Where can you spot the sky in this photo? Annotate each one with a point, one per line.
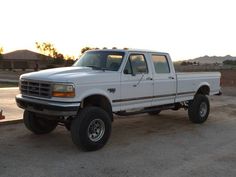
(184, 28)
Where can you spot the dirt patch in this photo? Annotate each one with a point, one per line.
(228, 78)
(229, 91)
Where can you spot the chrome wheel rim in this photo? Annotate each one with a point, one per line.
(203, 109)
(96, 130)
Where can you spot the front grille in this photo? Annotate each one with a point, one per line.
(35, 88)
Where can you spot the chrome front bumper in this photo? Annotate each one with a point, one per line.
(47, 107)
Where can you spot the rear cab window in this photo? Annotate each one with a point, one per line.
(160, 63)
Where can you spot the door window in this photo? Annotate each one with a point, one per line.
(161, 64)
(136, 64)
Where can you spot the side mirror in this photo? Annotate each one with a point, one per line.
(126, 71)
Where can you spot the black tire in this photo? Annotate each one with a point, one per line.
(154, 113)
(38, 125)
(67, 126)
(199, 109)
(84, 124)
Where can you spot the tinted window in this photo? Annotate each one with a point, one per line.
(137, 64)
(161, 64)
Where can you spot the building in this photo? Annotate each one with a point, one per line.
(24, 59)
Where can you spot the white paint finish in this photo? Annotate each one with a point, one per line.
(164, 84)
(182, 98)
(188, 82)
(136, 104)
(138, 88)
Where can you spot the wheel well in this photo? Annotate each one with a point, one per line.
(99, 101)
(204, 90)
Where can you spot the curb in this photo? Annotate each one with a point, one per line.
(9, 80)
(10, 122)
(9, 88)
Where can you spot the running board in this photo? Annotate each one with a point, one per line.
(146, 110)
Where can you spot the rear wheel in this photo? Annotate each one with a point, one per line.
(38, 125)
(91, 129)
(199, 108)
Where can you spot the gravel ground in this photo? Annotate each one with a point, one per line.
(166, 145)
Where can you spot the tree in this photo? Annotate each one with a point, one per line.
(69, 57)
(58, 58)
(49, 50)
(1, 51)
(229, 62)
(84, 49)
(184, 63)
(69, 62)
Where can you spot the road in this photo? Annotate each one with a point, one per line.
(168, 145)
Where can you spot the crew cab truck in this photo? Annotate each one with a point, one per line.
(85, 96)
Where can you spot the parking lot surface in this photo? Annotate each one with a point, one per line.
(140, 146)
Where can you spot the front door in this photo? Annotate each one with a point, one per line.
(136, 83)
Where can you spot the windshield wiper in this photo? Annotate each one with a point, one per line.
(96, 67)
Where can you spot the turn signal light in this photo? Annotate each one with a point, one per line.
(63, 94)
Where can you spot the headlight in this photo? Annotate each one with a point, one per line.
(63, 90)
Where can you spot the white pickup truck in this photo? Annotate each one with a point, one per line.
(101, 83)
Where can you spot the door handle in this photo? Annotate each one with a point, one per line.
(171, 77)
(149, 78)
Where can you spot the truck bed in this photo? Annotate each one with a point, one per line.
(189, 82)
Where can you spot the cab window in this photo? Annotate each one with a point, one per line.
(161, 64)
(136, 64)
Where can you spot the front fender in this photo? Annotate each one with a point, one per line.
(92, 92)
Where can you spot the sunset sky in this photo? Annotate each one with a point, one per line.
(184, 28)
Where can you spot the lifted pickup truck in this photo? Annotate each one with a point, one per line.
(101, 83)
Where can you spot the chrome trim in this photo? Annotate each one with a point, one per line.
(41, 89)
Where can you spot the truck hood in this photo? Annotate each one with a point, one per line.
(66, 74)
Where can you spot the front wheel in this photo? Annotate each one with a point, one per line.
(91, 129)
(38, 125)
(199, 109)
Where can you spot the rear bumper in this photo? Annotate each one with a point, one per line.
(53, 108)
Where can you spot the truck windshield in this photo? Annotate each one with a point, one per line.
(101, 60)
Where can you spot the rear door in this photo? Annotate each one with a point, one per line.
(164, 80)
(136, 82)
